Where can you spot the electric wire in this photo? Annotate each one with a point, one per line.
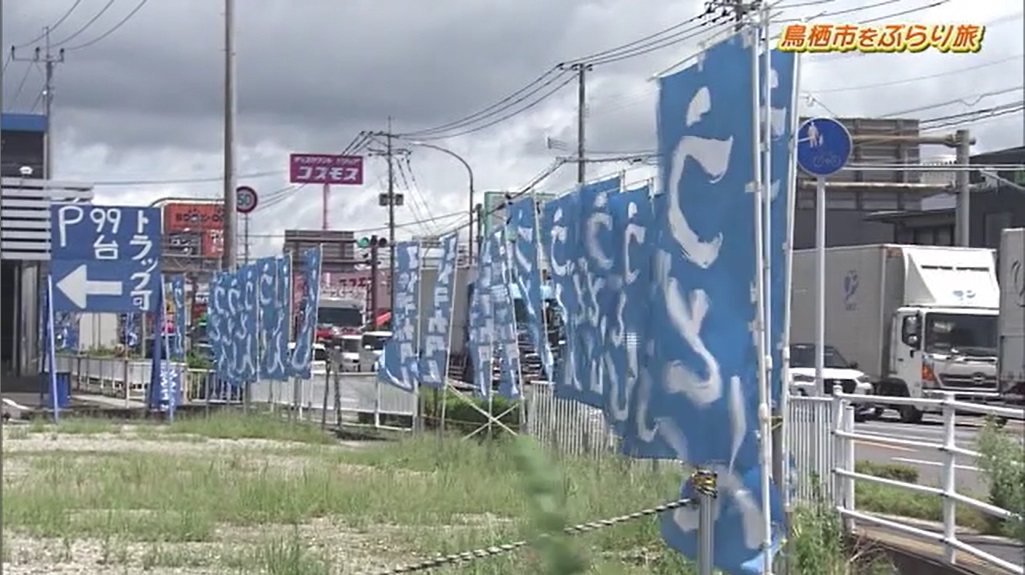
(21, 85)
(49, 29)
(173, 181)
(500, 119)
(964, 101)
(85, 26)
(413, 205)
(516, 97)
(1005, 19)
(914, 79)
(382, 228)
(630, 45)
(113, 29)
(416, 186)
(686, 35)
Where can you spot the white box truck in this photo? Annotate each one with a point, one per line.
(1012, 316)
(917, 319)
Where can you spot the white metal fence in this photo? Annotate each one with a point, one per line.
(567, 427)
(821, 441)
(129, 380)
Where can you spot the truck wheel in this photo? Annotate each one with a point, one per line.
(909, 414)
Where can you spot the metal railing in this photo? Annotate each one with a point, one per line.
(129, 379)
(844, 476)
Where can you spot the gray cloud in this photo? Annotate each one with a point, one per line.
(146, 103)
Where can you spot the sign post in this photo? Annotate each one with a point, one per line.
(106, 259)
(246, 201)
(823, 147)
(326, 170)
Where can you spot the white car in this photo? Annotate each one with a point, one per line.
(837, 372)
(350, 349)
(318, 365)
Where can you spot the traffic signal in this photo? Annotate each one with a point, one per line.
(371, 241)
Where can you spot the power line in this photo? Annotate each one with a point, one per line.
(169, 182)
(85, 26)
(683, 36)
(52, 27)
(527, 91)
(974, 101)
(914, 79)
(834, 57)
(21, 85)
(416, 190)
(632, 45)
(503, 118)
(113, 29)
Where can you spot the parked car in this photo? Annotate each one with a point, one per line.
(837, 371)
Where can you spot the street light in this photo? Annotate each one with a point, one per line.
(469, 172)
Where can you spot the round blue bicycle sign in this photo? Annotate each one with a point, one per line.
(245, 199)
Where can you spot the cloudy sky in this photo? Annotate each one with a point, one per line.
(139, 111)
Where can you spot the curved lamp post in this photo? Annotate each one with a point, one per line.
(469, 172)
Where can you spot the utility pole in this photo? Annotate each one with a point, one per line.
(49, 60)
(391, 206)
(230, 256)
(581, 70)
(963, 211)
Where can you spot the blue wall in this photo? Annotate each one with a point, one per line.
(23, 123)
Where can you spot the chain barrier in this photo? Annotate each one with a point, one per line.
(571, 530)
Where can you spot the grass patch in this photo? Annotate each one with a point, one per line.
(226, 424)
(418, 498)
(218, 425)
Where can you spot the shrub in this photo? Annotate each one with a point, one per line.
(464, 415)
(1002, 460)
(894, 471)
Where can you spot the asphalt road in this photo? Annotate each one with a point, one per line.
(929, 462)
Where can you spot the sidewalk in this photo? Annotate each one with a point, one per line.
(1005, 549)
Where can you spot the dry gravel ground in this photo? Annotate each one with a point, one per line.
(234, 494)
(270, 548)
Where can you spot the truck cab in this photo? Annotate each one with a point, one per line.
(920, 321)
(337, 317)
(945, 341)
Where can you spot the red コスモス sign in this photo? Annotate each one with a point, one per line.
(325, 169)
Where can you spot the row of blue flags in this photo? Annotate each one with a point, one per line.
(249, 319)
(417, 353)
(658, 292)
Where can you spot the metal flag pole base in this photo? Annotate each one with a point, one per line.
(706, 488)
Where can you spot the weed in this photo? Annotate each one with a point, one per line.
(1002, 460)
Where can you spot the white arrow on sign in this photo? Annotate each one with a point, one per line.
(78, 287)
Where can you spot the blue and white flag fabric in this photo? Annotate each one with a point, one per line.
(738, 527)
(624, 302)
(130, 329)
(526, 268)
(177, 340)
(248, 334)
(781, 100)
(234, 327)
(482, 323)
(704, 389)
(505, 318)
(437, 332)
(399, 361)
(559, 233)
(591, 277)
(274, 303)
(66, 325)
(217, 325)
(301, 360)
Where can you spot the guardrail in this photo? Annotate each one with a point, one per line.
(357, 392)
(831, 458)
